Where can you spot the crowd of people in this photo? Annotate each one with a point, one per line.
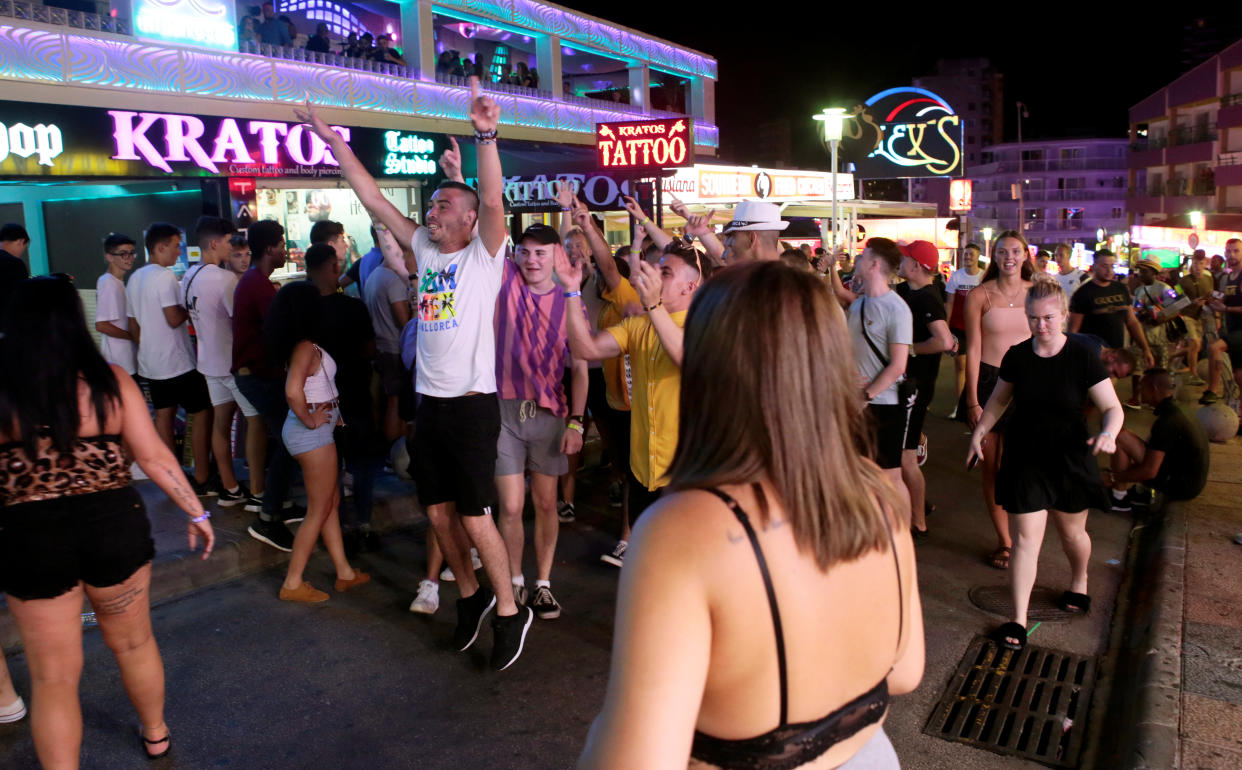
(261, 25)
(489, 358)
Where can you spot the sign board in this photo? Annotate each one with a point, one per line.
(1211, 241)
(901, 133)
(45, 140)
(1193, 240)
(730, 184)
(645, 145)
(203, 23)
(960, 194)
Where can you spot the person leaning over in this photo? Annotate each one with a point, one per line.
(1173, 460)
(779, 540)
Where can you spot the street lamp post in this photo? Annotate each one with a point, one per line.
(987, 239)
(833, 118)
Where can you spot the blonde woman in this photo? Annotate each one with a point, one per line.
(1049, 462)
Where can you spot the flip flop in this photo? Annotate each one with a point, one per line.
(1078, 604)
(1007, 631)
(999, 559)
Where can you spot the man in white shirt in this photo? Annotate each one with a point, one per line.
(960, 284)
(1070, 277)
(157, 321)
(111, 320)
(207, 292)
(458, 420)
(387, 296)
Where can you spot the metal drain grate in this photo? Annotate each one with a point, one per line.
(998, 601)
(1031, 704)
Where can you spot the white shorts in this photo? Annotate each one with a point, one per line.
(224, 390)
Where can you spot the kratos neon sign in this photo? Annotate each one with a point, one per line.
(162, 139)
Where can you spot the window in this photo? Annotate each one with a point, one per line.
(1118, 212)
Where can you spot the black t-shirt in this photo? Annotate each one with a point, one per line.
(347, 330)
(1104, 311)
(926, 306)
(1184, 471)
(355, 273)
(1231, 286)
(1049, 393)
(12, 272)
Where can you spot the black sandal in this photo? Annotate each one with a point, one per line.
(148, 742)
(1003, 634)
(999, 559)
(1077, 604)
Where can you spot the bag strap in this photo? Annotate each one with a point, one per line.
(191, 283)
(862, 316)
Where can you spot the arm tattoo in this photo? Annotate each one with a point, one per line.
(183, 497)
(119, 603)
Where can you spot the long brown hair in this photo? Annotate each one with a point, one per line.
(769, 392)
(994, 270)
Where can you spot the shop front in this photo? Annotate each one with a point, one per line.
(72, 175)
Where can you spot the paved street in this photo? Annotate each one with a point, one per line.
(361, 682)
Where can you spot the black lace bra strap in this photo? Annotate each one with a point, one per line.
(767, 585)
(901, 603)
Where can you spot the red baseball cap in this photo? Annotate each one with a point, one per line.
(923, 252)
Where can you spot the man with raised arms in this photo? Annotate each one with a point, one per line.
(457, 425)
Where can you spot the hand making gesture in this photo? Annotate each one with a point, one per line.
(698, 225)
(310, 117)
(484, 112)
(646, 280)
(632, 206)
(450, 162)
(565, 197)
(678, 207)
(569, 273)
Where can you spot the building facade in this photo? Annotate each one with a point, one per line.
(156, 114)
(1186, 148)
(1071, 189)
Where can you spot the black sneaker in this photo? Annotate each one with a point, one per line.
(617, 557)
(273, 533)
(292, 513)
(202, 488)
(509, 637)
(544, 604)
(1120, 504)
(565, 512)
(254, 504)
(228, 499)
(470, 614)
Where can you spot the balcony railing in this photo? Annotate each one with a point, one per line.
(1177, 188)
(1231, 100)
(1054, 164)
(1183, 135)
(62, 17)
(1092, 194)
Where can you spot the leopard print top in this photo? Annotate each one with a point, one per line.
(98, 463)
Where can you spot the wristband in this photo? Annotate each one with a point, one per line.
(653, 307)
(576, 418)
(569, 294)
(487, 136)
(645, 221)
(566, 208)
(201, 519)
(574, 426)
(1106, 433)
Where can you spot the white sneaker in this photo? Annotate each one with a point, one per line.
(14, 712)
(447, 575)
(428, 599)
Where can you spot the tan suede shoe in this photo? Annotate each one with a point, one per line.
(305, 593)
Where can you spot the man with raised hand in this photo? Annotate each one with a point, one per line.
(457, 425)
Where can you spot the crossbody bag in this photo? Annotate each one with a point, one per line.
(907, 388)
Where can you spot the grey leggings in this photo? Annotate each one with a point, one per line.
(875, 754)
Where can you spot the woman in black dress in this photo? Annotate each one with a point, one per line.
(1049, 460)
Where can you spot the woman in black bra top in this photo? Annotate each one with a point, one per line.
(70, 523)
(768, 607)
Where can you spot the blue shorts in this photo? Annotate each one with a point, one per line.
(300, 439)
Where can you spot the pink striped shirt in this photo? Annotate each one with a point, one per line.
(532, 344)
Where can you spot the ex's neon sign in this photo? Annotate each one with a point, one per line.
(645, 145)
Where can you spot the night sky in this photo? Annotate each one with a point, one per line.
(1077, 68)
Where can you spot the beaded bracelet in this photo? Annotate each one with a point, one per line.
(201, 519)
(485, 137)
(653, 307)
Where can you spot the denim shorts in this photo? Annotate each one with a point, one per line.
(300, 439)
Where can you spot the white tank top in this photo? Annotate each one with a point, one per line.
(320, 387)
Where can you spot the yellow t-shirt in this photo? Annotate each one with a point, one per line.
(654, 399)
(613, 311)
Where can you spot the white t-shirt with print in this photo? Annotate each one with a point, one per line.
(456, 310)
(960, 280)
(207, 291)
(110, 306)
(163, 352)
(1071, 281)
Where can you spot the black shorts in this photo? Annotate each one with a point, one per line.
(454, 452)
(597, 394)
(188, 391)
(889, 425)
(918, 414)
(641, 498)
(1233, 341)
(47, 547)
(988, 377)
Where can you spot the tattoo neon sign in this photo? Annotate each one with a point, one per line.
(207, 23)
(645, 145)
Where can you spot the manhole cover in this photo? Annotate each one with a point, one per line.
(1030, 704)
(996, 600)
